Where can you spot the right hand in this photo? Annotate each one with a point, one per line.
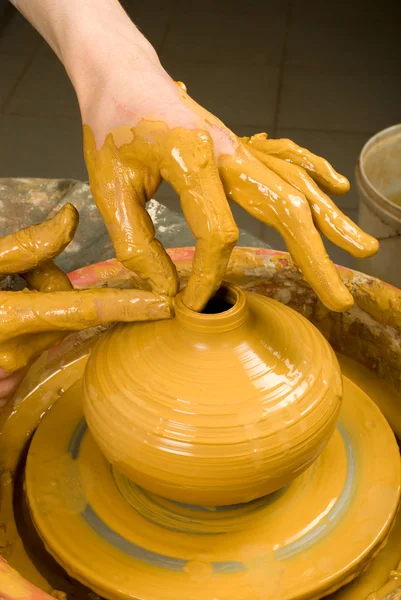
(141, 127)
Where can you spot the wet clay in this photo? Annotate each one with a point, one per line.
(32, 322)
(26, 249)
(23, 419)
(277, 154)
(273, 180)
(214, 409)
(304, 541)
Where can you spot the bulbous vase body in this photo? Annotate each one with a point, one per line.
(213, 409)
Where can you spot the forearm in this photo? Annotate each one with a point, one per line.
(86, 33)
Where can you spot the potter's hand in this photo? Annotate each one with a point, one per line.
(140, 127)
(159, 132)
(33, 321)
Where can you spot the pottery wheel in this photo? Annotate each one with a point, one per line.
(301, 542)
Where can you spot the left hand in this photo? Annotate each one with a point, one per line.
(33, 321)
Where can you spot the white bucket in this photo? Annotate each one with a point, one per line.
(378, 179)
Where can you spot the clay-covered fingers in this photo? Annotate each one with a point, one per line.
(306, 247)
(317, 167)
(24, 314)
(121, 185)
(336, 226)
(267, 197)
(48, 277)
(27, 248)
(193, 173)
(30, 248)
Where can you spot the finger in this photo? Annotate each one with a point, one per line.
(308, 251)
(317, 167)
(337, 227)
(121, 194)
(18, 353)
(25, 249)
(45, 278)
(8, 384)
(192, 172)
(23, 314)
(13, 585)
(48, 277)
(270, 199)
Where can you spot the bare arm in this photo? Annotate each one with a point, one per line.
(86, 33)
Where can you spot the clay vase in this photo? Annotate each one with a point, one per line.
(217, 408)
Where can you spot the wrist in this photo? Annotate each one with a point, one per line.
(96, 44)
(103, 54)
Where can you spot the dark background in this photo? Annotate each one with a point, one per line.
(324, 73)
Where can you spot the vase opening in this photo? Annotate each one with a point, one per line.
(225, 311)
(224, 299)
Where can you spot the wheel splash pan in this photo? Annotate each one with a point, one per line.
(370, 333)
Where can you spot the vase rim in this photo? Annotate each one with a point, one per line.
(226, 320)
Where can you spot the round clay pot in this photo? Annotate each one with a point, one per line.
(216, 408)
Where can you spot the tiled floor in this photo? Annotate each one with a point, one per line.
(326, 73)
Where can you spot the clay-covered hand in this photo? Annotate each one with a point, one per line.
(140, 131)
(38, 318)
(14, 587)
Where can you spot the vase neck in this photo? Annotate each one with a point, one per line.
(226, 311)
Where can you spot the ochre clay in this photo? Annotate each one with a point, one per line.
(319, 169)
(24, 314)
(47, 277)
(273, 180)
(56, 309)
(380, 301)
(354, 240)
(214, 409)
(24, 250)
(303, 542)
(24, 418)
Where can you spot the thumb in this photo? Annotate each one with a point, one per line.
(25, 249)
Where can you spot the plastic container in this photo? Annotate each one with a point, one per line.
(378, 178)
